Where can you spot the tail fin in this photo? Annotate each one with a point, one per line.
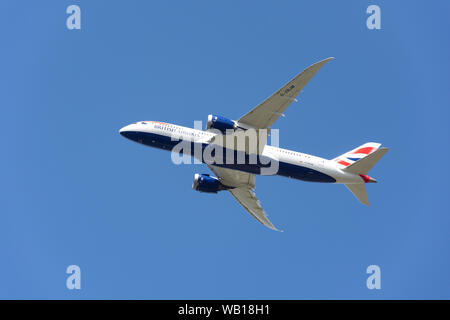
(363, 166)
(360, 161)
(356, 154)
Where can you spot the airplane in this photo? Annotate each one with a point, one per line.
(350, 168)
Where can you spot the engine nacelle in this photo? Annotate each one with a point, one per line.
(206, 183)
(220, 123)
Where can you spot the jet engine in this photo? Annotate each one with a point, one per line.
(206, 183)
(220, 123)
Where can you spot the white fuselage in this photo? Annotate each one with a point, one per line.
(292, 163)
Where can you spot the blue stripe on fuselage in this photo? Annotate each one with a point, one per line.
(285, 169)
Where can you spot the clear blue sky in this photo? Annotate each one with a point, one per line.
(73, 191)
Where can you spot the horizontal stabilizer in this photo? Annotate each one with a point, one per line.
(359, 191)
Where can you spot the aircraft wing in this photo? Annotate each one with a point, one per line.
(243, 191)
(265, 114)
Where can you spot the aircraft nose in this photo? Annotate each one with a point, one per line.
(130, 127)
(127, 131)
(122, 130)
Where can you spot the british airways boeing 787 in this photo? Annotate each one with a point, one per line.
(238, 175)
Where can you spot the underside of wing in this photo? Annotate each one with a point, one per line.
(242, 186)
(234, 178)
(264, 115)
(247, 198)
